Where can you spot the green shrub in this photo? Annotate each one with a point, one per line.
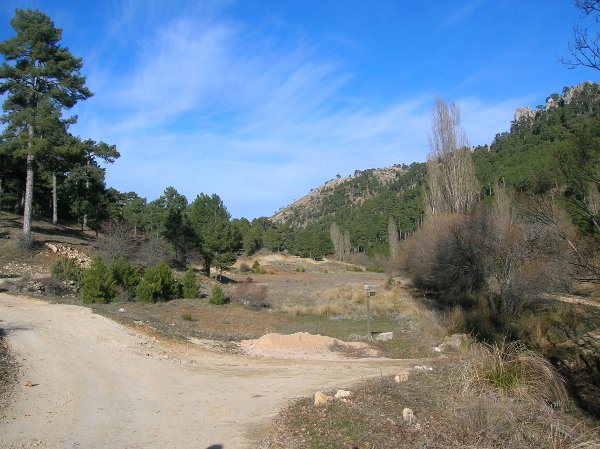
(256, 268)
(190, 285)
(125, 274)
(218, 297)
(66, 270)
(98, 283)
(157, 284)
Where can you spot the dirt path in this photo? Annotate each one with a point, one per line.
(97, 384)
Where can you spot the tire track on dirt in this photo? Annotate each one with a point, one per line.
(99, 384)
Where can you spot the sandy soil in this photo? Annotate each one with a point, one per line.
(88, 382)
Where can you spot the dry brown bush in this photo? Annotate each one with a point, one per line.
(252, 296)
(495, 256)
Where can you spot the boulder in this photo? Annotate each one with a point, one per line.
(322, 399)
(342, 394)
(401, 377)
(408, 416)
(456, 342)
(384, 336)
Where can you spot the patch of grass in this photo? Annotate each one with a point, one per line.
(511, 370)
(445, 418)
(186, 316)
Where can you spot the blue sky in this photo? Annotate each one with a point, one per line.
(260, 101)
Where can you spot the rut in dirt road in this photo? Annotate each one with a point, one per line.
(97, 384)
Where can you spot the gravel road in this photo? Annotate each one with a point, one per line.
(88, 382)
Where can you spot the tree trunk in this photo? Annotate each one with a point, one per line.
(207, 261)
(54, 200)
(0, 196)
(87, 188)
(28, 195)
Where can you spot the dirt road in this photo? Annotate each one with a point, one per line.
(97, 384)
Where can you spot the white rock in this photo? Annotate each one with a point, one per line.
(423, 368)
(401, 377)
(121, 309)
(322, 399)
(384, 336)
(408, 415)
(342, 394)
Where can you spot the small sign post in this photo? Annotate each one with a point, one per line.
(370, 291)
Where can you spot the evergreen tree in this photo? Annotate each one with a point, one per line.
(40, 79)
(215, 235)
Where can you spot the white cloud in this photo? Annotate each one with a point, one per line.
(205, 106)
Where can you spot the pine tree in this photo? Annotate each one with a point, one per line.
(40, 79)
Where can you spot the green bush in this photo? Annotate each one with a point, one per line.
(98, 283)
(257, 269)
(157, 284)
(125, 274)
(66, 270)
(190, 285)
(218, 297)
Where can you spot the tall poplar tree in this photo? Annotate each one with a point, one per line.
(453, 185)
(40, 79)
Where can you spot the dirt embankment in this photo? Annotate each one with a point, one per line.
(86, 381)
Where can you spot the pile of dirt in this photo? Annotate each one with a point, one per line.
(303, 345)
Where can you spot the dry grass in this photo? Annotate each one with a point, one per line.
(445, 418)
(349, 302)
(511, 370)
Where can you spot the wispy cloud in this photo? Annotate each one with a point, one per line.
(461, 13)
(207, 105)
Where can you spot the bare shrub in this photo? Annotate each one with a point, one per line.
(54, 286)
(442, 258)
(582, 252)
(496, 256)
(252, 296)
(152, 250)
(117, 240)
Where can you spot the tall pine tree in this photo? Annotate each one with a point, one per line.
(40, 79)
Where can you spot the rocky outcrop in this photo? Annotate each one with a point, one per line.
(522, 114)
(569, 94)
(526, 114)
(82, 259)
(578, 360)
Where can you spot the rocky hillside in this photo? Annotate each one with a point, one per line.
(355, 190)
(362, 204)
(524, 160)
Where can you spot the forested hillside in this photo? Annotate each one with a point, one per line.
(527, 160)
(363, 204)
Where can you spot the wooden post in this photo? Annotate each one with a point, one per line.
(370, 291)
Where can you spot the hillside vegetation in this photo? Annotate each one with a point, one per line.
(527, 160)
